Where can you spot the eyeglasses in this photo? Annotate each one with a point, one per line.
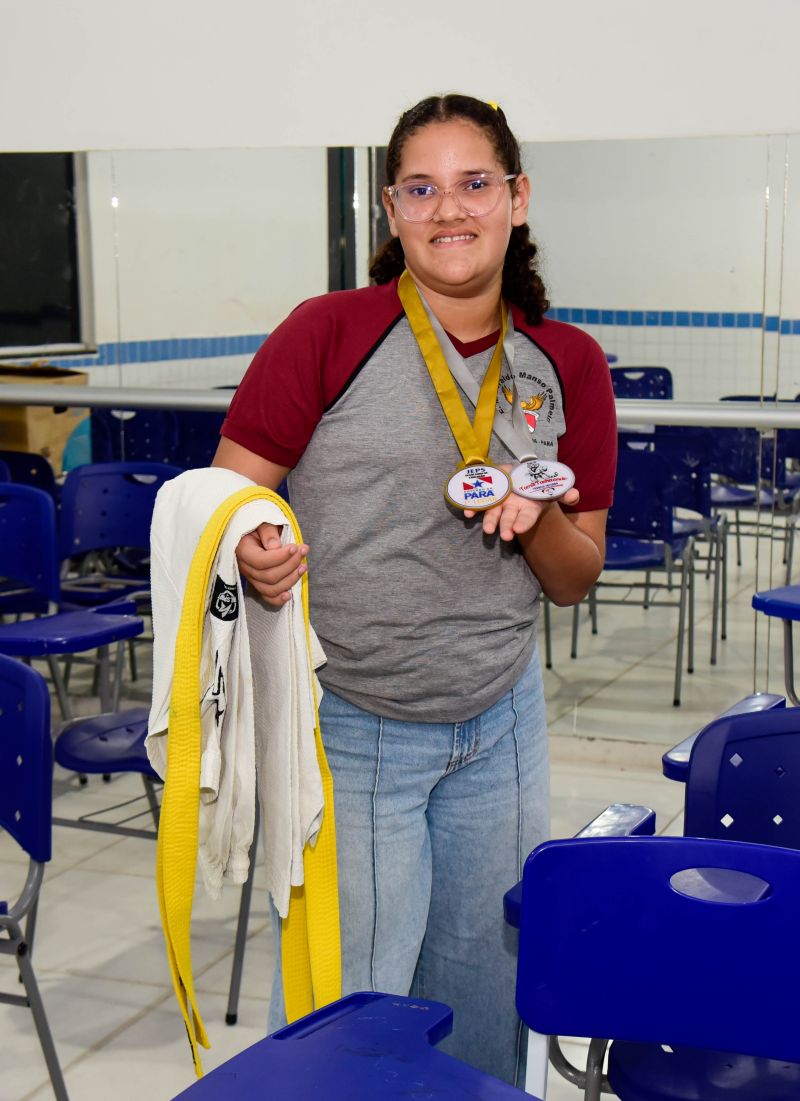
(477, 196)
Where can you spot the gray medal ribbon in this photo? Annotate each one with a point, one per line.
(514, 432)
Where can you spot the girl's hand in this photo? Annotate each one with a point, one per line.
(271, 569)
(516, 514)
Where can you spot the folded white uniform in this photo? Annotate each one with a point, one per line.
(249, 650)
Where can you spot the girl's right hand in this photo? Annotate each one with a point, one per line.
(270, 568)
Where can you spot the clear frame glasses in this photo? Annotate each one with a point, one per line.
(476, 196)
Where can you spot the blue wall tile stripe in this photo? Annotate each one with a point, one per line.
(213, 347)
(692, 319)
(161, 351)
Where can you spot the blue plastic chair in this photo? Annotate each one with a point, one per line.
(642, 383)
(29, 469)
(675, 762)
(679, 951)
(24, 468)
(641, 537)
(133, 435)
(29, 558)
(785, 604)
(197, 436)
(102, 745)
(106, 512)
(365, 1047)
(26, 792)
(742, 784)
(751, 473)
(688, 452)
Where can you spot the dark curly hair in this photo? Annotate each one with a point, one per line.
(522, 283)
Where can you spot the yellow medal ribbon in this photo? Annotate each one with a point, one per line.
(473, 439)
(310, 945)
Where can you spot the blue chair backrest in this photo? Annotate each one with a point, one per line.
(644, 383)
(744, 779)
(198, 436)
(745, 456)
(28, 541)
(735, 454)
(612, 945)
(141, 435)
(5, 473)
(110, 505)
(26, 758)
(688, 453)
(30, 469)
(642, 505)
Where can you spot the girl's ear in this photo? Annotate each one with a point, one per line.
(388, 206)
(520, 200)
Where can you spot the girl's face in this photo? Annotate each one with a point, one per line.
(456, 254)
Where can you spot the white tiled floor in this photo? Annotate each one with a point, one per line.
(99, 950)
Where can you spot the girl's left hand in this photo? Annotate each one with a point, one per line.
(516, 514)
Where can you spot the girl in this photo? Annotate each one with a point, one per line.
(433, 715)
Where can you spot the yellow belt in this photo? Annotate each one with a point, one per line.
(310, 946)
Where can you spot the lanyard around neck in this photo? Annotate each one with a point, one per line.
(514, 433)
(473, 439)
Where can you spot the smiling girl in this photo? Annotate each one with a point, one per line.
(433, 713)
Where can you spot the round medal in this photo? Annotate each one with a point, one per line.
(477, 487)
(540, 480)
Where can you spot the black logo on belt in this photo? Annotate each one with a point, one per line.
(224, 600)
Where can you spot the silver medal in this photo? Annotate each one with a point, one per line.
(541, 480)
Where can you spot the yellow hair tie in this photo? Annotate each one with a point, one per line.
(492, 104)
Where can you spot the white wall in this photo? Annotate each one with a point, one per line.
(205, 243)
(215, 243)
(93, 74)
(704, 227)
(665, 225)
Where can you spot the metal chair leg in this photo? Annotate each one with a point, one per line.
(573, 652)
(690, 556)
(33, 999)
(232, 1014)
(724, 608)
(593, 608)
(152, 801)
(681, 627)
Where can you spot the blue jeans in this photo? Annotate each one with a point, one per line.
(433, 824)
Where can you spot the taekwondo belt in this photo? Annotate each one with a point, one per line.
(310, 946)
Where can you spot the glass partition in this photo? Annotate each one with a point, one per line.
(683, 253)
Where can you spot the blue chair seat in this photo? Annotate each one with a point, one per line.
(66, 633)
(783, 602)
(686, 526)
(93, 592)
(729, 496)
(649, 1073)
(112, 742)
(624, 553)
(365, 1047)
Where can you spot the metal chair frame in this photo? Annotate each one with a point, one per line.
(26, 793)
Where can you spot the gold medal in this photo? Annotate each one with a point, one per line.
(477, 486)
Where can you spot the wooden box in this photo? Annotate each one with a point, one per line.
(42, 429)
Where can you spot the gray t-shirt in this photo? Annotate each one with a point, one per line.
(421, 616)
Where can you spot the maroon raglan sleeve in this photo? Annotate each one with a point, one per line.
(303, 366)
(589, 445)
(280, 399)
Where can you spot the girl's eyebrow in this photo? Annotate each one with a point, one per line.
(464, 172)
